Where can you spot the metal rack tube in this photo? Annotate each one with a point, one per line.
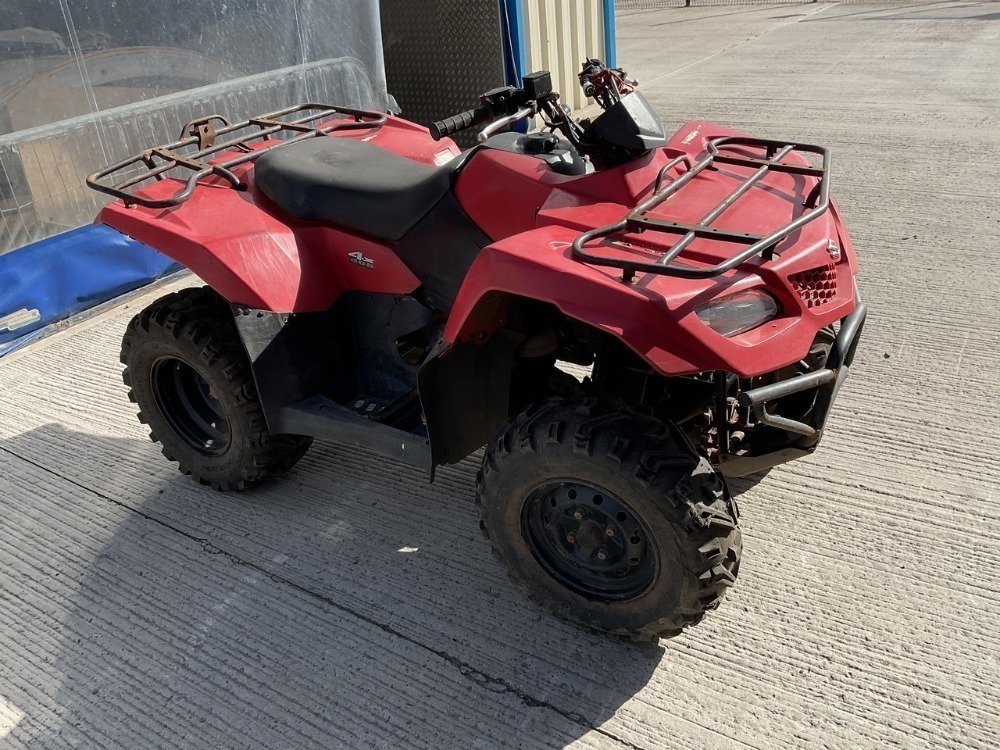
(637, 221)
(267, 125)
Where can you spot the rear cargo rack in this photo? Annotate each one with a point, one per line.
(204, 137)
(638, 220)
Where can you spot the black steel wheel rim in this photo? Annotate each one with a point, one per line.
(186, 401)
(589, 540)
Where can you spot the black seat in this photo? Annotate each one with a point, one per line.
(352, 184)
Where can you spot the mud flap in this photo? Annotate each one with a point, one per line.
(465, 395)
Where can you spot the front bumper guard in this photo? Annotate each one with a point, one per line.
(827, 383)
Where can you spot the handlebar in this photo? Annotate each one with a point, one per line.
(498, 125)
(461, 121)
(503, 106)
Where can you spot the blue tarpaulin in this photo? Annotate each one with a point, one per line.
(55, 278)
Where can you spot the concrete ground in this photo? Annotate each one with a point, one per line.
(352, 605)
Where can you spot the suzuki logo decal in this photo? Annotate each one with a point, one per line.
(690, 137)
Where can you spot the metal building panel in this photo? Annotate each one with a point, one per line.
(561, 35)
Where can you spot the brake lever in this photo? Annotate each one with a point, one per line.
(498, 125)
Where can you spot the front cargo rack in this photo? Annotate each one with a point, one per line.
(637, 220)
(203, 135)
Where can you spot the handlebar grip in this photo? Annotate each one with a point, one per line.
(461, 121)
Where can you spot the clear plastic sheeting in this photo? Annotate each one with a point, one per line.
(84, 83)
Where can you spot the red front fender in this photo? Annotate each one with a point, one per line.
(655, 317)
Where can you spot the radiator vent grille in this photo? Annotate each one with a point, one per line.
(817, 286)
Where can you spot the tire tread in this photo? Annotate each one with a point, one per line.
(662, 459)
(199, 322)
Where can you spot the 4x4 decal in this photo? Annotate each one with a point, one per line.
(361, 259)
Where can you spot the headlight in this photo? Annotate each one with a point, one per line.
(738, 313)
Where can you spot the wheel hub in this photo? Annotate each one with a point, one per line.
(589, 540)
(190, 406)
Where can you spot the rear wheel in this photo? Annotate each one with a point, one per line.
(189, 374)
(609, 518)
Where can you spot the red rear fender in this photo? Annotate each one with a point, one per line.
(252, 253)
(257, 256)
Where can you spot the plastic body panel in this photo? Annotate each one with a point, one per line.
(656, 320)
(254, 254)
(655, 316)
(256, 258)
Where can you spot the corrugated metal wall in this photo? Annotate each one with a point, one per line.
(561, 35)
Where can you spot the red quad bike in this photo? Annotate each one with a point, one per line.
(370, 283)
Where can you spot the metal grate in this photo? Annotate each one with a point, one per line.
(440, 55)
(817, 286)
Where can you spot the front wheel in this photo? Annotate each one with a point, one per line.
(609, 518)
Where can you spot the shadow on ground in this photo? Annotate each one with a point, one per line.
(350, 604)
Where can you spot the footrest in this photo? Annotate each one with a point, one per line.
(321, 417)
